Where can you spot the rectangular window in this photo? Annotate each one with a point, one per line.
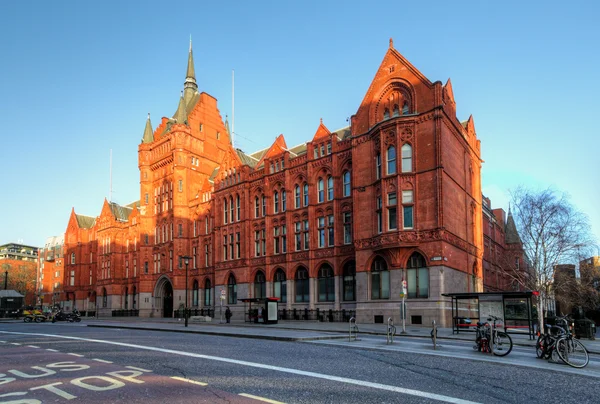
(330, 188)
(180, 229)
(276, 202)
(276, 240)
(306, 236)
(347, 228)
(330, 234)
(237, 245)
(328, 148)
(379, 221)
(283, 239)
(297, 197)
(322, 150)
(224, 248)
(180, 185)
(231, 252)
(264, 206)
(418, 282)
(316, 152)
(237, 206)
(298, 235)
(256, 208)
(392, 221)
(407, 208)
(194, 258)
(321, 230)
(257, 243)
(263, 240)
(378, 166)
(320, 190)
(283, 201)
(145, 267)
(305, 191)
(146, 198)
(206, 255)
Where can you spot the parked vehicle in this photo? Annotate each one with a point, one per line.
(488, 338)
(558, 341)
(33, 315)
(70, 317)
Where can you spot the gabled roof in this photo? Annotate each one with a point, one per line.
(511, 235)
(343, 133)
(85, 222)
(276, 148)
(120, 212)
(214, 174)
(448, 88)
(135, 204)
(246, 159)
(298, 150)
(148, 133)
(321, 132)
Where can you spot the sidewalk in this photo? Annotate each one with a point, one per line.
(300, 330)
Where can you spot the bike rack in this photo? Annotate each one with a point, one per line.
(353, 333)
(391, 330)
(434, 334)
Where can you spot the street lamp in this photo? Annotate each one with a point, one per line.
(186, 260)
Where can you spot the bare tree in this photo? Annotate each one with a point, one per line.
(552, 232)
(21, 277)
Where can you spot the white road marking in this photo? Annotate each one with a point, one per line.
(361, 383)
(101, 360)
(32, 346)
(76, 354)
(183, 379)
(51, 350)
(140, 369)
(266, 400)
(15, 343)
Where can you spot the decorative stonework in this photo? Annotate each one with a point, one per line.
(278, 259)
(327, 252)
(258, 261)
(299, 256)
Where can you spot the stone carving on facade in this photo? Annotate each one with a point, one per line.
(390, 138)
(278, 259)
(406, 134)
(347, 249)
(300, 256)
(345, 155)
(258, 261)
(326, 161)
(328, 252)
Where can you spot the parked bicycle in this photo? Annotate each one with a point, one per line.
(488, 336)
(558, 341)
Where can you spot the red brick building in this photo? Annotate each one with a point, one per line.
(335, 223)
(50, 275)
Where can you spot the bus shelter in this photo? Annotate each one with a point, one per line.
(514, 308)
(261, 310)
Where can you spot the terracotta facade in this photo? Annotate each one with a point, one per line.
(336, 223)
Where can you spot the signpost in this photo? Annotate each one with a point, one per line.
(403, 308)
(221, 308)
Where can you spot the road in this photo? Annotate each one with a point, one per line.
(75, 363)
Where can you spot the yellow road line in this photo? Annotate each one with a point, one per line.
(265, 400)
(188, 380)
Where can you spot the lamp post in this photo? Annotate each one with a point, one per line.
(186, 260)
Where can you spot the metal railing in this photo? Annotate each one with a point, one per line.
(179, 313)
(332, 316)
(125, 313)
(391, 331)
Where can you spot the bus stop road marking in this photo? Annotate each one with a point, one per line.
(265, 400)
(183, 379)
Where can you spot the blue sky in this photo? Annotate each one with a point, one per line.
(77, 79)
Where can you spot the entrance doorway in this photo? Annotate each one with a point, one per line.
(163, 296)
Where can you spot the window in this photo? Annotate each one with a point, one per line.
(231, 290)
(380, 279)
(329, 188)
(207, 292)
(322, 150)
(405, 109)
(396, 111)
(418, 277)
(276, 202)
(328, 148)
(350, 281)
(237, 206)
(72, 258)
(256, 207)
(283, 202)
(298, 235)
(283, 239)
(145, 267)
(276, 240)
(257, 243)
(260, 285)
(225, 248)
(346, 177)
(320, 190)
(231, 252)
(347, 217)
(391, 160)
(146, 199)
(316, 152)
(378, 211)
(264, 205)
(280, 286)
(133, 298)
(305, 194)
(321, 230)
(406, 158)
(378, 166)
(180, 230)
(180, 185)
(237, 246)
(306, 235)
(231, 217)
(297, 196)
(326, 284)
(392, 220)
(386, 114)
(225, 211)
(302, 286)
(104, 298)
(407, 209)
(195, 294)
(263, 240)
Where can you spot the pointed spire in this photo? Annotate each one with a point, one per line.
(148, 132)
(227, 127)
(511, 235)
(190, 77)
(391, 43)
(181, 113)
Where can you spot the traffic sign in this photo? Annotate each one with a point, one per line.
(222, 292)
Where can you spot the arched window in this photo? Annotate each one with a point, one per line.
(260, 285)
(405, 109)
(104, 298)
(302, 287)
(133, 298)
(396, 111)
(231, 290)
(418, 277)
(225, 210)
(195, 294)
(231, 209)
(380, 279)
(326, 284)
(280, 286)
(320, 190)
(391, 160)
(386, 114)
(330, 188)
(297, 196)
(305, 194)
(256, 207)
(350, 281)
(276, 202)
(126, 300)
(347, 186)
(283, 201)
(406, 151)
(207, 293)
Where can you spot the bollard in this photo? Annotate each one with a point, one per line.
(391, 330)
(434, 335)
(353, 332)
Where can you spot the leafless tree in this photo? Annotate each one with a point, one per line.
(552, 232)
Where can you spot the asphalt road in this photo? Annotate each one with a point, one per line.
(147, 366)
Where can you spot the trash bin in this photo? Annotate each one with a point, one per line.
(585, 328)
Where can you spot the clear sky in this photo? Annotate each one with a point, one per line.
(77, 79)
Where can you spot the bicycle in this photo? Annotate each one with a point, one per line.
(501, 341)
(559, 341)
